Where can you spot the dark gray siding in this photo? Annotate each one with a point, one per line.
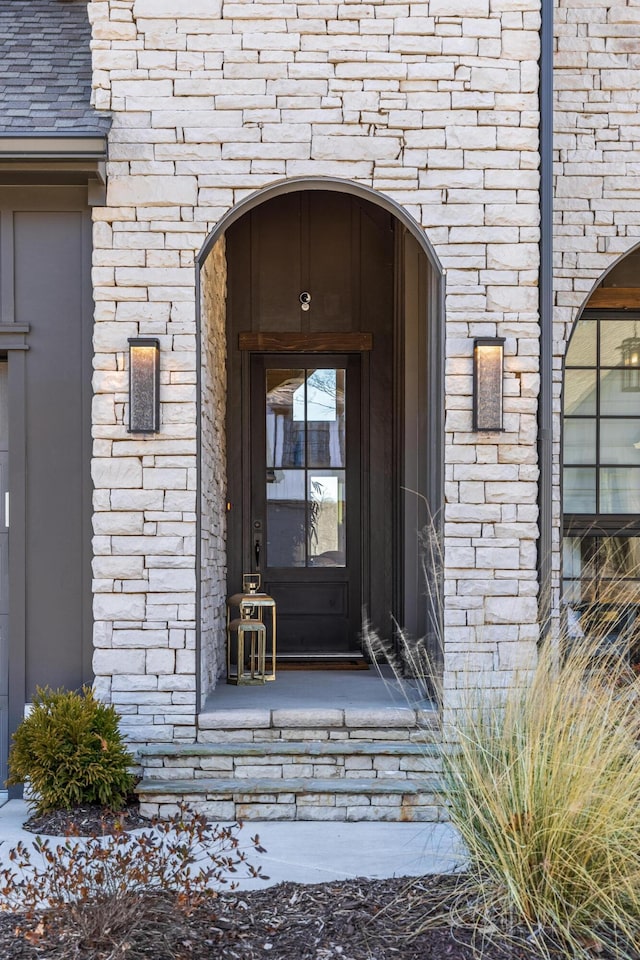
(45, 295)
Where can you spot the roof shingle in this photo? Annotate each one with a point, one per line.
(45, 69)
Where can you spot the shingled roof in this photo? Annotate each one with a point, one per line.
(45, 69)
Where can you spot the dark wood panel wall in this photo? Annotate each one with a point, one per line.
(46, 332)
(340, 250)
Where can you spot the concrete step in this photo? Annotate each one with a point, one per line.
(298, 798)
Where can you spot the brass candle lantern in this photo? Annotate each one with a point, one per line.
(251, 648)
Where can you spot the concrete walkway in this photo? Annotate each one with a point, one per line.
(316, 852)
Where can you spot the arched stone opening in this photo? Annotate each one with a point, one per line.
(601, 461)
(327, 508)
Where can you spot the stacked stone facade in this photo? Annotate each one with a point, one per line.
(433, 104)
(213, 553)
(597, 187)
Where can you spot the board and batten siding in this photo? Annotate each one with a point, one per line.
(45, 334)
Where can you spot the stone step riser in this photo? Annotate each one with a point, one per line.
(344, 773)
(357, 808)
(410, 768)
(336, 760)
(357, 735)
(298, 800)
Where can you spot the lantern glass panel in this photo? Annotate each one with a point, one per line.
(488, 384)
(144, 357)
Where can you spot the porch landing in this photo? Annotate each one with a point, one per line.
(371, 690)
(316, 745)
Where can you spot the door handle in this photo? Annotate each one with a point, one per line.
(257, 553)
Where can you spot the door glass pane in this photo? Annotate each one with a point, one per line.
(616, 398)
(327, 541)
(620, 441)
(620, 490)
(285, 432)
(580, 441)
(582, 349)
(286, 518)
(306, 495)
(580, 392)
(579, 490)
(326, 418)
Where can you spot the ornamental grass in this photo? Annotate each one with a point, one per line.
(542, 781)
(543, 784)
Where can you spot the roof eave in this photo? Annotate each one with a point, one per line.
(56, 155)
(54, 146)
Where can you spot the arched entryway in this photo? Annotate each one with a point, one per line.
(601, 461)
(325, 299)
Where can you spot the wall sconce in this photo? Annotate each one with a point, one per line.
(144, 385)
(488, 367)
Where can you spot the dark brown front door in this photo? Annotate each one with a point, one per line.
(306, 465)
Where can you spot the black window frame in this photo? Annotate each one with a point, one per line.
(597, 524)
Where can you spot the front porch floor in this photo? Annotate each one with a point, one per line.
(373, 690)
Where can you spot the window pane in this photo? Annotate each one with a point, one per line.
(327, 542)
(326, 418)
(285, 432)
(620, 490)
(580, 392)
(582, 349)
(579, 490)
(619, 557)
(619, 343)
(601, 590)
(620, 441)
(580, 441)
(286, 518)
(616, 399)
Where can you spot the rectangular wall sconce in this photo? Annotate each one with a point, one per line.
(488, 372)
(144, 385)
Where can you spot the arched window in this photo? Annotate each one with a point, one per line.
(601, 477)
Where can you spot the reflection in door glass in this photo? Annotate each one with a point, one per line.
(286, 518)
(325, 418)
(305, 438)
(285, 434)
(326, 519)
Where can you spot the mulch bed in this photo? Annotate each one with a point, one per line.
(87, 819)
(345, 920)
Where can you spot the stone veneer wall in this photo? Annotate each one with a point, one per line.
(213, 483)
(434, 106)
(597, 187)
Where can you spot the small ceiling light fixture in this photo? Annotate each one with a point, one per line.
(488, 371)
(144, 385)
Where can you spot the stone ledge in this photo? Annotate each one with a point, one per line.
(286, 748)
(234, 719)
(351, 717)
(227, 788)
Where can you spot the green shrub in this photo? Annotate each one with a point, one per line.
(70, 750)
